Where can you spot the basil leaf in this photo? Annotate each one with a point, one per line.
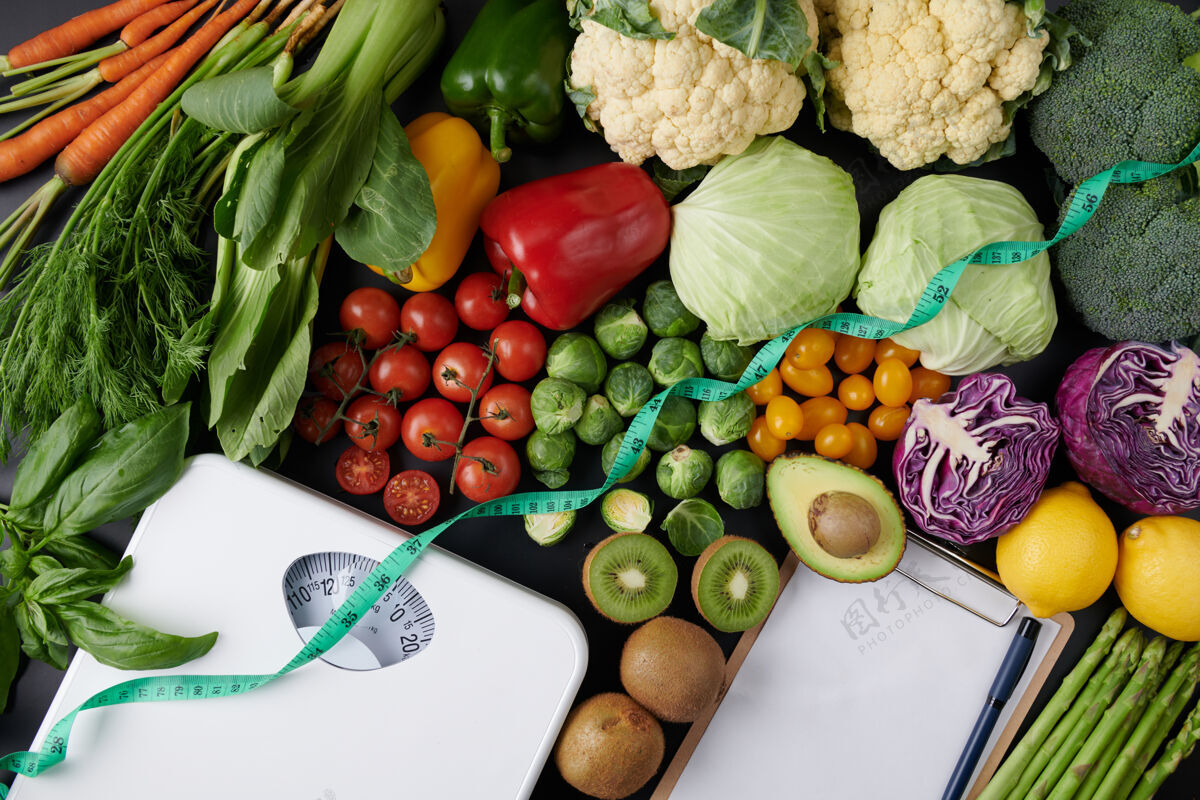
(51, 457)
(673, 181)
(33, 645)
(393, 217)
(10, 651)
(43, 564)
(62, 586)
(124, 644)
(632, 18)
(768, 29)
(36, 615)
(14, 561)
(241, 102)
(127, 470)
(80, 551)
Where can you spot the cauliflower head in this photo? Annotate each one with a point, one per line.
(925, 78)
(690, 99)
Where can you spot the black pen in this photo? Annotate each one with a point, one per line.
(1011, 669)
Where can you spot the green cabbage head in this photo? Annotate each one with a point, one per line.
(997, 314)
(768, 240)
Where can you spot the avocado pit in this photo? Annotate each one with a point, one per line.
(843, 524)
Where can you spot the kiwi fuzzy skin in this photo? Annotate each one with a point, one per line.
(609, 747)
(674, 668)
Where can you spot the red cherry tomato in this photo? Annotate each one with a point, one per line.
(411, 497)
(335, 370)
(459, 369)
(520, 349)
(363, 472)
(373, 423)
(315, 421)
(403, 370)
(429, 422)
(372, 311)
(480, 301)
(431, 318)
(488, 469)
(504, 412)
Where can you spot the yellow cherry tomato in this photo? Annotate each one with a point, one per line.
(762, 443)
(770, 386)
(784, 417)
(813, 382)
(852, 354)
(833, 441)
(811, 348)
(928, 384)
(893, 382)
(886, 348)
(856, 392)
(886, 422)
(819, 412)
(863, 451)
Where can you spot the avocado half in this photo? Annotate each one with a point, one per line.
(795, 481)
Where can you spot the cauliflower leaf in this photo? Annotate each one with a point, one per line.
(632, 18)
(775, 29)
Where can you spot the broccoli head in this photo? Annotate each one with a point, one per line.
(1133, 271)
(1131, 94)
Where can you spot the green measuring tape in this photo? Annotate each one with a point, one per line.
(1083, 203)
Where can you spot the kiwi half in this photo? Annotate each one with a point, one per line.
(630, 577)
(735, 583)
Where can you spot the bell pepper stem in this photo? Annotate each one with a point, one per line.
(516, 287)
(499, 121)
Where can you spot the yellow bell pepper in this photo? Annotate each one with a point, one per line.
(464, 178)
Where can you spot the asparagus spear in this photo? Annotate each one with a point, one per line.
(1093, 746)
(1010, 771)
(1179, 748)
(1166, 707)
(1124, 653)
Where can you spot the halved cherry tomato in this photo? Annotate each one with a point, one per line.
(520, 349)
(372, 311)
(811, 348)
(403, 370)
(784, 417)
(819, 412)
(833, 440)
(481, 301)
(504, 412)
(852, 354)
(315, 421)
(928, 384)
(431, 427)
(762, 443)
(887, 422)
(893, 382)
(770, 386)
(489, 468)
(459, 369)
(335, 370)
(809, 382)
(363, 472)
(431, 318)
(887, 348)
(864, 450)
(411, 497)
(856, 392)
(373, 423)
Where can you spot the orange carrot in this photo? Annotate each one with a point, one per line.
(23, 153)
(82, 160)
(140, 29)
(114, 68)
(78, 32)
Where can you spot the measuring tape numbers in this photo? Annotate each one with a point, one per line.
(1083, 202)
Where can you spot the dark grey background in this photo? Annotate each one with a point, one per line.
(501, 545)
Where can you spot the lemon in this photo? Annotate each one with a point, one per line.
(1062, 556)
(1158, 575)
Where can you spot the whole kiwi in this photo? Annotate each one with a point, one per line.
(673, 667)
(609, 746)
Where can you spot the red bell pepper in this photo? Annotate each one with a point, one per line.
(575, 239)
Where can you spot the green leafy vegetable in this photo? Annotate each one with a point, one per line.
(665, 313)
(725, 421)
(683, 472)
(550, 451)
(632, 18)
(628, 387)
(50, 458)
(60, 586)
(577, 357)
(674, 182)
(741, 476)
(674, 359)
(725, 360)
(117, 642)
(619, 330)
(239, 102)
(599, 421)
(767, 29)
(557, 404)
(693, 525)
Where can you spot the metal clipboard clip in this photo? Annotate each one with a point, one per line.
(941, 570)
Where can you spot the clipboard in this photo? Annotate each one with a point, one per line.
(851, 691)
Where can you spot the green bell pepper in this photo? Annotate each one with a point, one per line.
(508, 73)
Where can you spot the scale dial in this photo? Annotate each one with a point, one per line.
(397, 627)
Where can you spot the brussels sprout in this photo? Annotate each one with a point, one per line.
(725, 421)
(740, 478)
(599, 421)
(609, 454)
(557, 404)
(693, 525)
(683, 472)
(548, 529)
(626, 511)
(619, 330)
(553, 478)
(550, 450)
(675, 424)
(726, 360)
(628, 387)
(577, 358)
(665, 313)
(673, 359)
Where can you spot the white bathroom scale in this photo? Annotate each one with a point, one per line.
(454, 686)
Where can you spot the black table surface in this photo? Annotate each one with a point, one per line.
(501, 545)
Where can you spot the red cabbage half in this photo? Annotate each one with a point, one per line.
(1131, 422)
(971, 464)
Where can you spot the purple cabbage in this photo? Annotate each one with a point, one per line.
(971, 464)
(1131, 422)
